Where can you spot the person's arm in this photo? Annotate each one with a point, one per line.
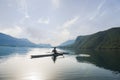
(52, 50)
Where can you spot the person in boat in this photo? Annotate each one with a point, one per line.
(54, 50)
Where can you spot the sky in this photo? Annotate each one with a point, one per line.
(56, 21)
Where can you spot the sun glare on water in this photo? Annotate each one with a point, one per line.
(33, 76)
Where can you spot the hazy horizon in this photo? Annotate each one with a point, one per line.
(55, 21)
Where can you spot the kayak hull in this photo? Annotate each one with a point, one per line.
(47, 55)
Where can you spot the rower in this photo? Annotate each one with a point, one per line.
(54, 50)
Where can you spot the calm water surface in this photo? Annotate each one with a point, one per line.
(16, 64)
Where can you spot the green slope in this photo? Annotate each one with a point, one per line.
(109, 39)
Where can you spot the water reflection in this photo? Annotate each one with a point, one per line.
(108, 59)
(52, 55)
(89, 66)
(5, 51)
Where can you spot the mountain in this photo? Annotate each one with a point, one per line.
(69, 42)
(6, 40)
(109, 39)
(44, 45)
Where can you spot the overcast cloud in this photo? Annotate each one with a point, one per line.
(55, 21)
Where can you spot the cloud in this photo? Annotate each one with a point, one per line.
(54, 35)
(23, 8)
(65, 27)
(97, 12)
(63, 30)
(56, 3)
(15, 31)
(101, 5)
(43, 21)
(70, 22)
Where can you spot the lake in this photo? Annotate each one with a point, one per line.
(16, 64)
